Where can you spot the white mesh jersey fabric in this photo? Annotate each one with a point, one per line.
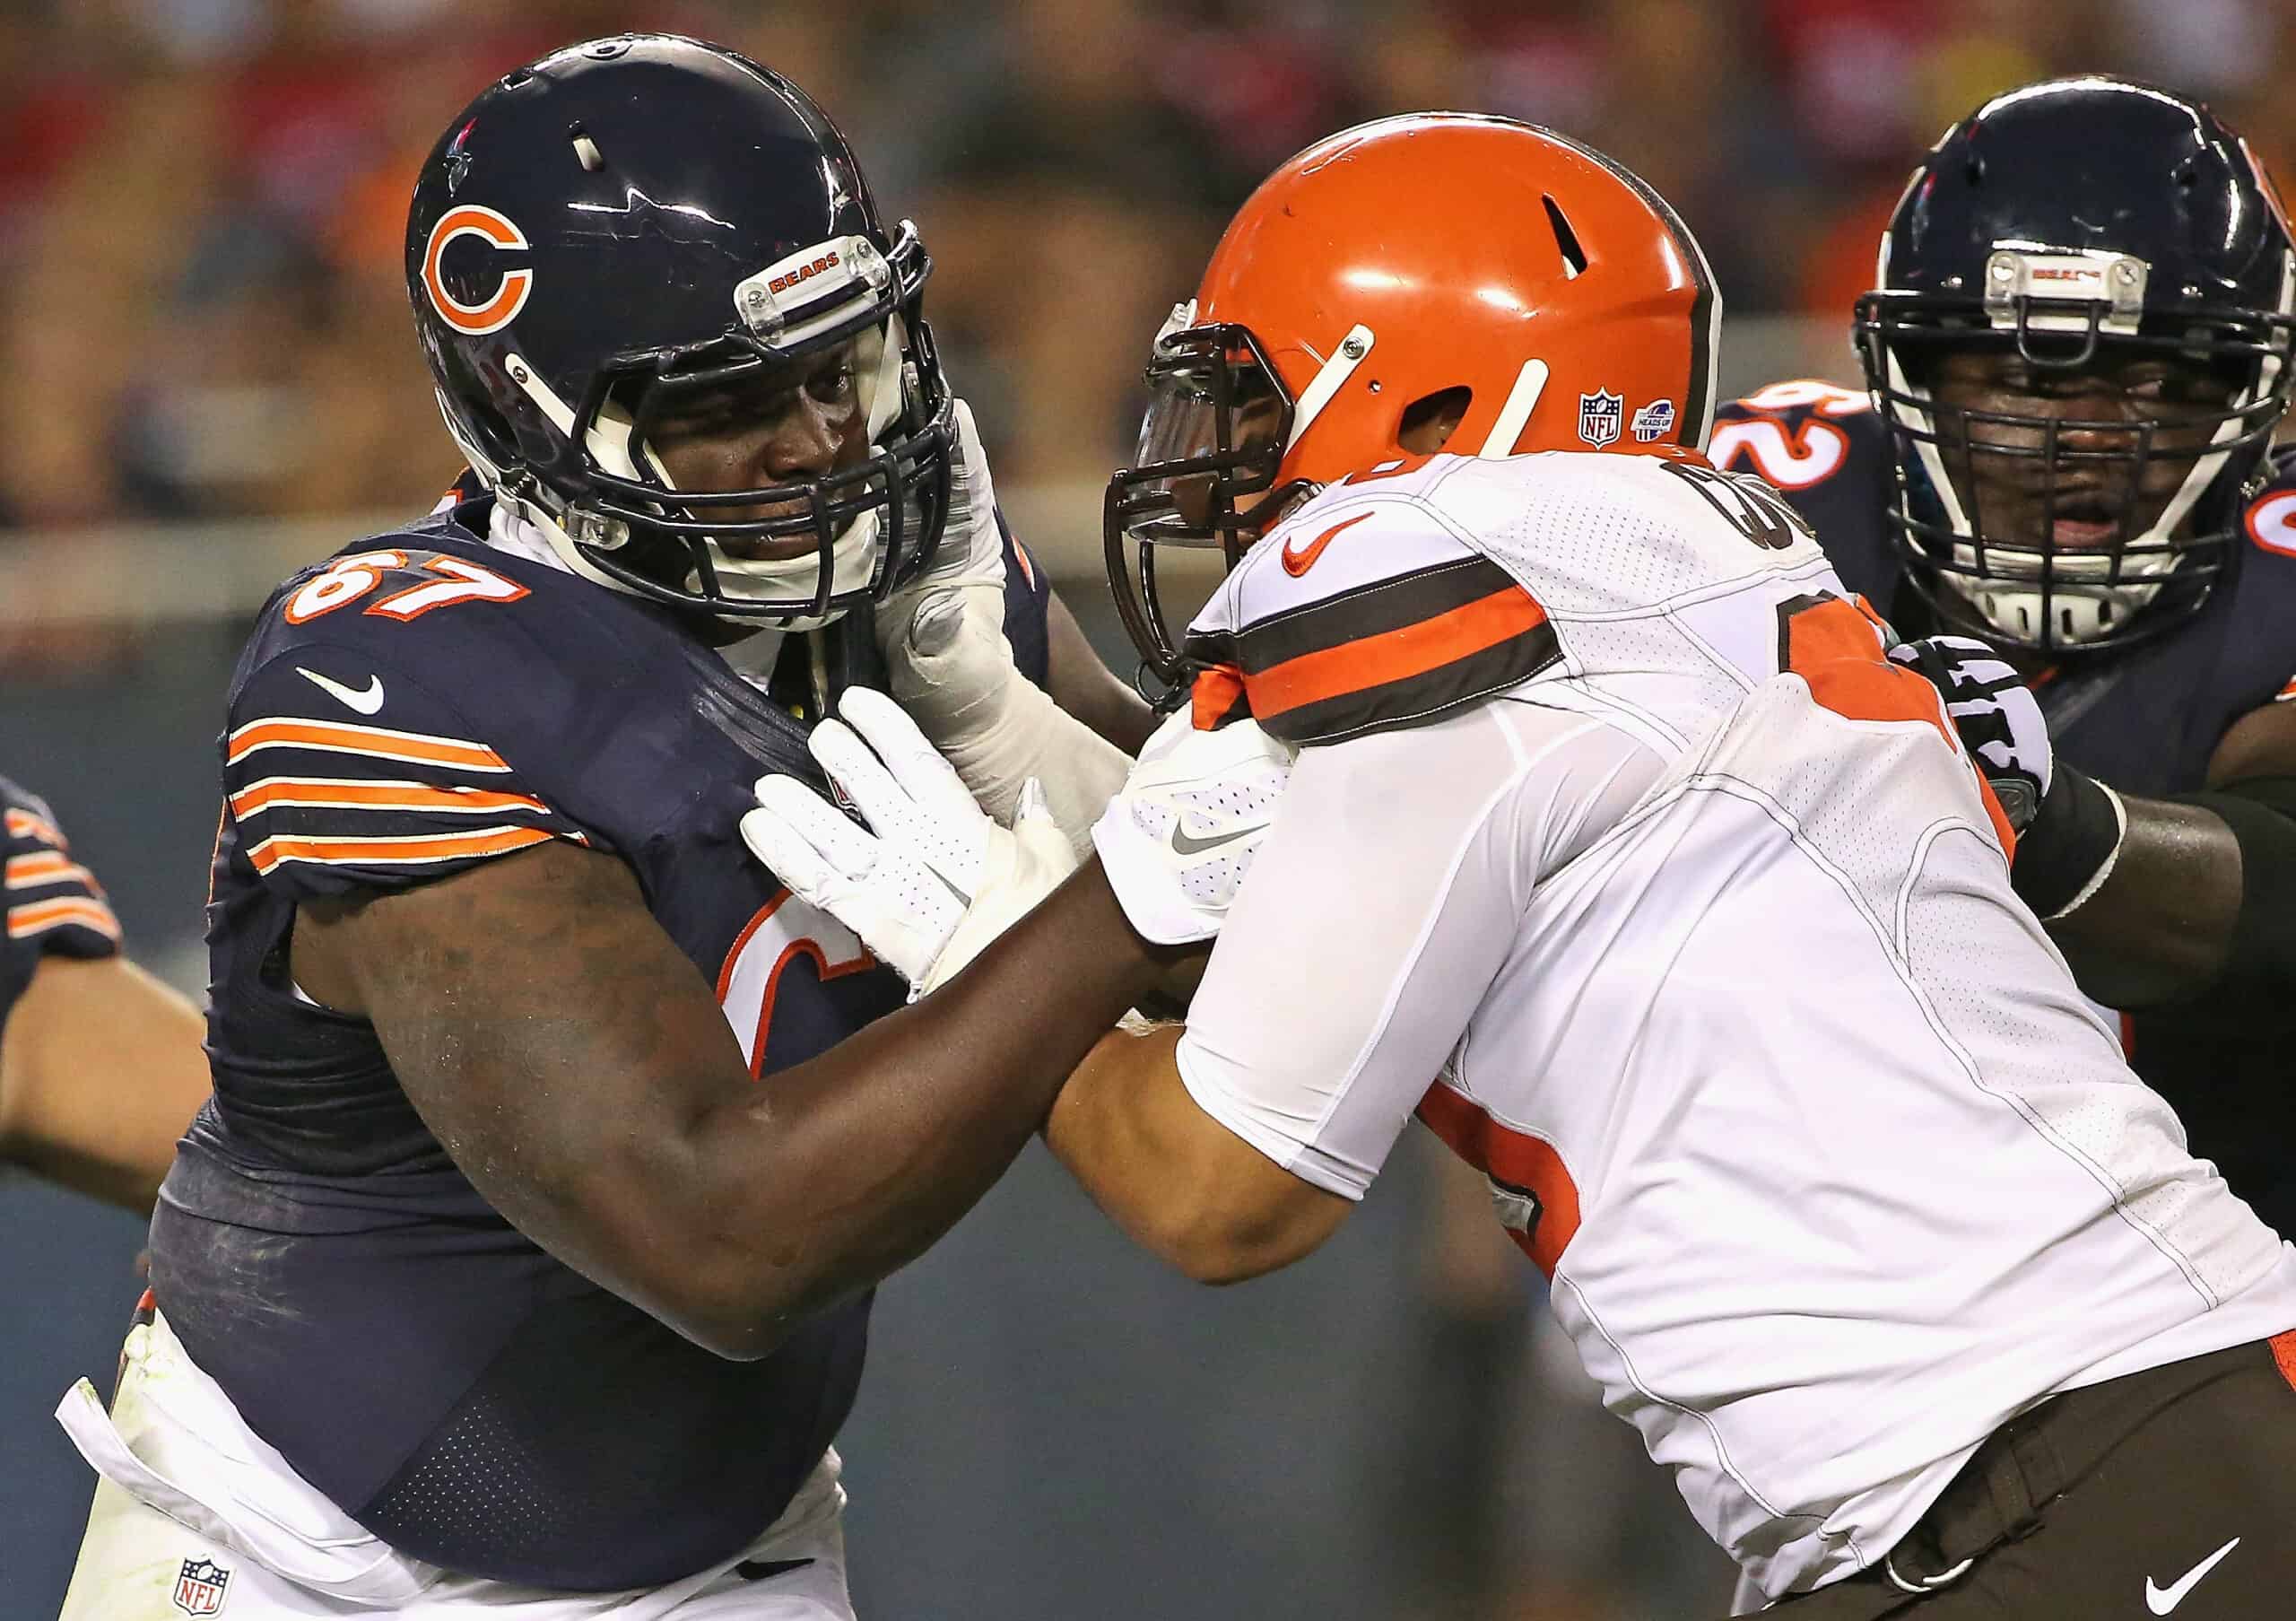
(1859, 1173)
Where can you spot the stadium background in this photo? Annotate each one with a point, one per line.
(211, 377)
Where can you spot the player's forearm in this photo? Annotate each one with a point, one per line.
(861, 1158)
(2160, 928)
(1180, 1183)
(1088, 689)
(101, 1071)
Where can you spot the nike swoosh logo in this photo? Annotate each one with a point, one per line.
(1298, 563)
(758, 1569)
(1182, 845)
(366, 702)
(2161, 1601)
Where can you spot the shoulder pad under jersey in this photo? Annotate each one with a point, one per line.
(1364, 611)
(422, 701)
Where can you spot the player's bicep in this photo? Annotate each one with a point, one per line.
(552, 1037)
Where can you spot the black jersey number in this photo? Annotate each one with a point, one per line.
(1746, 503)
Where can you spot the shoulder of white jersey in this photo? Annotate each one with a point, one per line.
(1369, 609)
(53, 904)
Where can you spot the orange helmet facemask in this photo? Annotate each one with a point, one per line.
(1433, 264)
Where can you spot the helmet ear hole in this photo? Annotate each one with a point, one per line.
(1574, 256)
(1429, 421)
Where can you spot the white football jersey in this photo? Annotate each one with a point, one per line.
(1622, 856)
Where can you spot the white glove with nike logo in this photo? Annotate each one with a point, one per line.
(1179, 835)
(932, 879)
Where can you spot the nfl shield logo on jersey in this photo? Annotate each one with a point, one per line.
(1601, 415)
(199, 1587)
(1655, 421)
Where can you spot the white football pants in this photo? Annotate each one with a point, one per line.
(196, 1515)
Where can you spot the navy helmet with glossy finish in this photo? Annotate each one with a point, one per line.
(2081, 225)
(632, 218)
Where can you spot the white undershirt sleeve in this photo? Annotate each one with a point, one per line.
(1383, 904)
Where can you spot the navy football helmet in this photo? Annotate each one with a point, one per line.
(633, 221)
(2100, 239)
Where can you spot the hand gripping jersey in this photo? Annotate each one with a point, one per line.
(1688, 906)
(419, 702)
(54, 905)
(2145, 719)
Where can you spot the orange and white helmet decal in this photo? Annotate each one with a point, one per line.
(496, 232)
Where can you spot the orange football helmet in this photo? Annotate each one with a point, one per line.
(1435, 262)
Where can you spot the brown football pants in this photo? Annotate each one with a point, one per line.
(2168, 1491)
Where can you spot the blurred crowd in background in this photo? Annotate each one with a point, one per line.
(200, 201)
(203, 316)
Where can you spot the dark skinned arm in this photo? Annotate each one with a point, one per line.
(2158, 930)
(1087, 688)
(576, 1066)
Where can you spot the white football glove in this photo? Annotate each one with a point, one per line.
(932, 880)
(1179, 837)
(943, 637)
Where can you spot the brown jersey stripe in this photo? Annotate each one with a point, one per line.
(1380, 659)
(1414, 699)
(1353, 616)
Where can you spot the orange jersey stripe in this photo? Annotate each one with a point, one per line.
(374, 795)
(376, 742)
(1372, 661)
(42, 915)
(45, 866)
(413, 849)
(23, 825)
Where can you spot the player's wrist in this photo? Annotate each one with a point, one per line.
(2068, 851)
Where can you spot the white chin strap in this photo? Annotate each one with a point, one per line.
(2084, 599)
(853, 557)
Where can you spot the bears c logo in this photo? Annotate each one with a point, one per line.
(501, 234)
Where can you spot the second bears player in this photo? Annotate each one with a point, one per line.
(2080, 344)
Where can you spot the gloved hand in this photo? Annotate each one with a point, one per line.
(932, 880)
(943, 637)
(1176, 841)
(2068, 825)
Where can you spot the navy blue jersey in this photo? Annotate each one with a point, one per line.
(55, 907)
(2145, 719)
(420, 702)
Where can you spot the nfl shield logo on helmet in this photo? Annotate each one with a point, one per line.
(1655, 421)
(1601, 416)
(199, 1587)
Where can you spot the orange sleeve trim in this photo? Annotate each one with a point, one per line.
(23, 825)
(1391, 656)
(373, 741)
(416, 850)
(45, 866)
(44, 915)
(1213, 697)
(375, 795)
